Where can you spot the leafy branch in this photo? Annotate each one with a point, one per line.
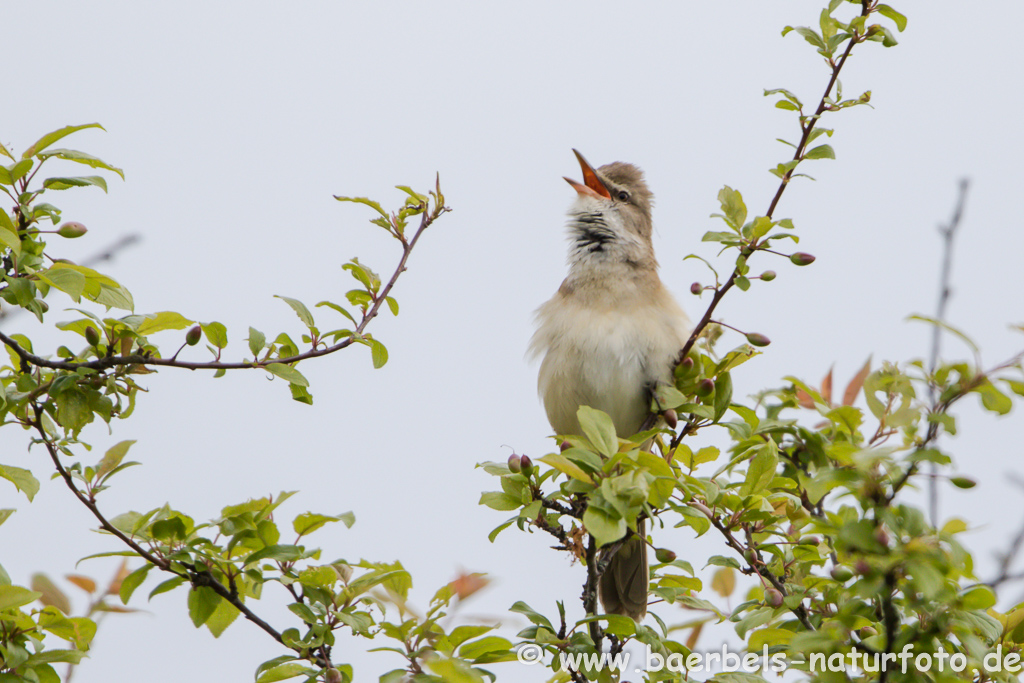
(195, 576)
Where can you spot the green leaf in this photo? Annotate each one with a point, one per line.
(257, 341)
(993, 399)
(50, 138)
(820, 152)
(79, 181)
(164, 320)
(202, 602)
(8, 234)
(811, 36)
(168, 585)
(287, 373)
(535, 617)
(22, 480)
(978, 598)
(768, 637)
(723, 395)
(949, 328)
(604, 527)
(284, 553)
(339, 309)
(890, 13)
(392, 304)
(566, 466)
(99, 287)
(475, 648)
(308, 522)
(222, 617)
(216, 334)
(81, 158)
(112, 458)
(50, 656)
(363, 200)
(597, 426)
(499, 500)
(69, 281)
(378, 352)
(73, 410)
(761, 470)
(733, 207)
(300, 309)
(16, 596)
(284, 672)
(4, 514)
(133, 581)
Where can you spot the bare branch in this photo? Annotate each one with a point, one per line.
(948, 232)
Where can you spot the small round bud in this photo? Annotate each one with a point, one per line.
(768, 275)
(671, 418)
(809, 540)
(773, 597)
(802, 258)
(867, 631)
(526, 464)
(841, 574)
(750, 556)
(564, 446)
(72, 229)
(758, 339)
(687, 363)
(705, 387)
(863, 567)
(333, 676)
(664, 555)
(43, 306)
(696, 288)
(194, 334)
(882, 537)
(515, 463)
(92, 335)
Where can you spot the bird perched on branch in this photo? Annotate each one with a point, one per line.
(609, 336)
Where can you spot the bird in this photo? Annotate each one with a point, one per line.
(610, 334)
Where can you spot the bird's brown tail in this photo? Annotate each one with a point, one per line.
(623, 586)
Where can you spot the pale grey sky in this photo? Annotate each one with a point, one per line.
(235, 122)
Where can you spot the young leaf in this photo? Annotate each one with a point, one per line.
(287, 373)
(854, 387)
(216, 334)
(81, 158)
(820, 152)
(300, 309)
(80, 181)
(50, 138)
(598, 427)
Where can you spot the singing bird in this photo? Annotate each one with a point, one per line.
(609, 336)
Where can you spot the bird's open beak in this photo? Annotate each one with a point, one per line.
(592, 185)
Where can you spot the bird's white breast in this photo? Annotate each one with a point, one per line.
(606, 352)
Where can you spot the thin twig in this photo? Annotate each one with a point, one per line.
(108, 362)
(801, 148)
(197, 577)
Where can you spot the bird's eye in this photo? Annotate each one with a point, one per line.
(623, 196)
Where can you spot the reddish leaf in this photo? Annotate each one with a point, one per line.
(804, 399)
(467, 584)
(691, 640)
(826, 387)
(83, 582)
(855, 385)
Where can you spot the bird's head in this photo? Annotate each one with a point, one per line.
(611, 217)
